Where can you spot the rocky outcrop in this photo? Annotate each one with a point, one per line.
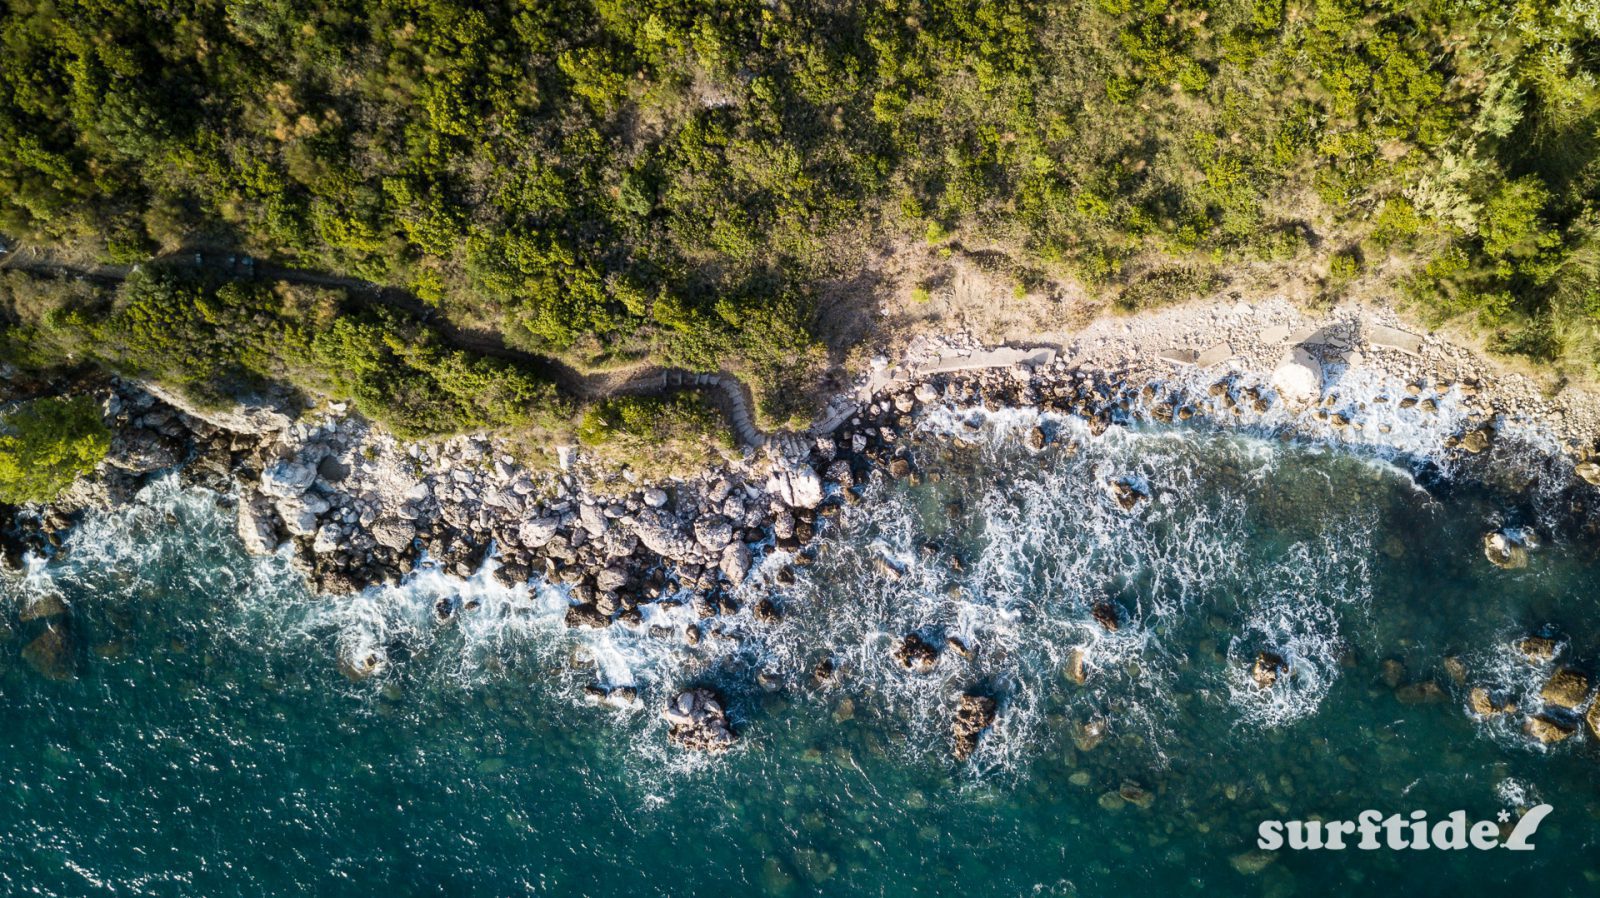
(1508, 549)
(1267, 668)
(916, 655)
(975, 714)
(1566, 689)
(697, 722)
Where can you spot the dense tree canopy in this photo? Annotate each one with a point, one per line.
(672, 178)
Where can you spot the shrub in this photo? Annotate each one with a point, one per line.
(47, 444)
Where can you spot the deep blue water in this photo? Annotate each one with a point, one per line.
(207, 744)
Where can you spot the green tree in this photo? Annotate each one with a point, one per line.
(47, 444)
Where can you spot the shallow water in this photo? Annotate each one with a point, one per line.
(208, 744)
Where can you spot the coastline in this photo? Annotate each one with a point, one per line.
(353, 507)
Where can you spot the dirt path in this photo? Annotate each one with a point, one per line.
(725, 389)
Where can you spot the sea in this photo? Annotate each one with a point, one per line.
(185, 729)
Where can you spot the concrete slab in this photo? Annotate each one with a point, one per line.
(1384, 337)
(1215, 355)
(1179, 356)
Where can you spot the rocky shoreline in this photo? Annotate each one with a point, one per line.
(353, 506)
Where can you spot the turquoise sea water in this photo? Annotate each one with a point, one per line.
(208, 745)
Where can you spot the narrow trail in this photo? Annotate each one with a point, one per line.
(725, 389)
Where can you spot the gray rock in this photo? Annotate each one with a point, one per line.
(735, 562)
(287, 478)
(538, 532)
(393, 533)
(655, 498)
(797, 487)
(713, 531)
(258, 525)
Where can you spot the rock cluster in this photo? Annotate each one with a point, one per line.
(697, 721)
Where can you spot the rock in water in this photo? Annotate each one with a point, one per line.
(1507, 550)
(1566, 688)
(974, 715)
(1106, 615)
(915, 654)
(1537, 649)
(1267, 668)
(1588, 471)
(1546, 729)
(697, 722)
(1487, 704)
(1127, 494)
(357, 666)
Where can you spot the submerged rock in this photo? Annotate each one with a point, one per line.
(697, 722)
(1078, 665)
(974, 715)
(1088, 734)
(50, 654)
(1106, 615)
(358, 666)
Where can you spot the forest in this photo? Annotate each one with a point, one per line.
(673, 181)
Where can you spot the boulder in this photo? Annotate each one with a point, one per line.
(330, 537)
(1476, 440)
(1547, 729)
(537, 533)
(393, 533)
(587, 616)
(1489, 704)
(655, 498)
(1589, 471)
(1593, 719)
(975, 714)
(714, 532)
(1566, 688)
(735, 563)
(1537, 649)
(611, 579)
(1508, 550)
(139, 451)
(796, 487)
(258, 525)
(1298, 377)
(697, 722)
(915, 654)
(287, 478)
(662, 535)
(1106, 615)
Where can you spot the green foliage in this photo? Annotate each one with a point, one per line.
(582, 173)
(46, 444)
(657, 435)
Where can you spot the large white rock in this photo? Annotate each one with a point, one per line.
(797, 487)
(538, 532)
(287, 478)
(258, 525)
(735, 563)
(1298, 378)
